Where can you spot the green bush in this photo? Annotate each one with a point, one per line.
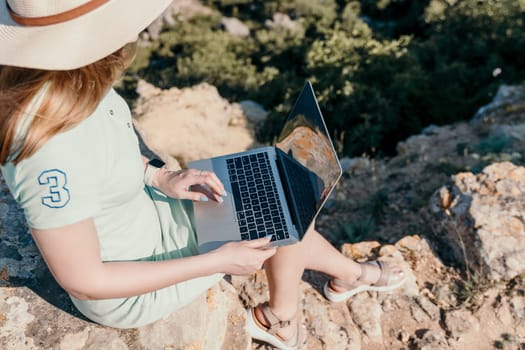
(382, 70)
(356, 231)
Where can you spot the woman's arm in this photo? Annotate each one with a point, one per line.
(72, 254)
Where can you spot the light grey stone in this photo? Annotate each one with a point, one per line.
(507, 107)
(169, 333)
(417, 312)
(253, 111)
(94, 338)
(75, 340)
(4, 209)
(430, 130)
(353, 164)
(429, 307)
(234, 26)
(366, 312)
(282, 21)
(459, 322)
(484, 221)
(15, 317)
(432, 340)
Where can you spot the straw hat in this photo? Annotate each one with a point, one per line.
(67, 34)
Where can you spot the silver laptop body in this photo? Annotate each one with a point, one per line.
(276, 190)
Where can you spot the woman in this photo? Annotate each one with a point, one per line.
(114, 228)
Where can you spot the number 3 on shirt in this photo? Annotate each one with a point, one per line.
(55, 180)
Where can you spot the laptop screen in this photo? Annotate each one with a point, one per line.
(308, 158)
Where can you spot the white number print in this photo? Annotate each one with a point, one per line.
(55, 180)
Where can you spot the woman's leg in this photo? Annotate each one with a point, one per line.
(285, 269)
(314, 252)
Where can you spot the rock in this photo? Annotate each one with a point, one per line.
(460, 322)
(432, 340)
(225, 320)
(447, 137)
(418, 313)
(366, 313)
(517, 309)
(186, 9)
(507, 107)
(410, 243)
(206, 324)
(361, 251)
(329, 326)
(514, 132)
(445, 295)
(154, 29)
(491, 322)
(485, 222)
(429, 312)
(19, 257)
(403, 336)
(183, 9)
(431, 130)
(235, 27)
(346, 164)
(354, 164)
(211, 125)
(146, 91)
(430, 308)
(282, 21)
(213, 321)
(391, 252)
(253, 111)
(14, 320)
(93, 338)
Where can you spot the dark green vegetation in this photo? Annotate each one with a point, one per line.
(383, 70)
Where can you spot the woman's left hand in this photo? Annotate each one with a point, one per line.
(193, 184)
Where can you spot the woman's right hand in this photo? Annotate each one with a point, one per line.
(244, 257)
(192, 184)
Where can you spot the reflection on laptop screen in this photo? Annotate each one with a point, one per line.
(309, 157)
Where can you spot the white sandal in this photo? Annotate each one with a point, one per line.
(387, 281)
(270, 334)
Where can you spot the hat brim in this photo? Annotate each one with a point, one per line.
(77, 42)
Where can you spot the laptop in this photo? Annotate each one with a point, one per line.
(275, 190)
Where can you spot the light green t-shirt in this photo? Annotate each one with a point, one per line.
(93, 170)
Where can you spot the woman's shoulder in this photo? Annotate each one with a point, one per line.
(112, 105)
(85, 142)
(89, 135)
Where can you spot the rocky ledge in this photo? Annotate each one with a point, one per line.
(459, 239)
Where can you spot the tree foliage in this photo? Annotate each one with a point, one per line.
(382, 70)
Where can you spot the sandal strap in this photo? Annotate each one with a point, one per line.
(363, 274)
(384, 276)
(342, 284)
(276, 324)
(274, 321)
(385, 272)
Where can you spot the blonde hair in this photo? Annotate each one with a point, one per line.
(71, 97)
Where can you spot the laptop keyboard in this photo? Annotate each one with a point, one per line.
(259, 212)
